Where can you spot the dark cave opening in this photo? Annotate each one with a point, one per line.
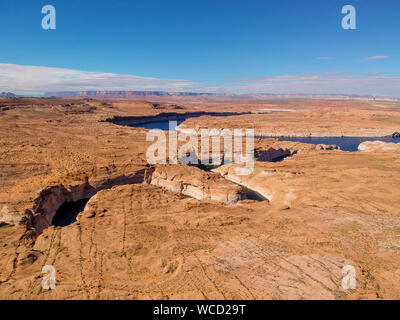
(68, 212)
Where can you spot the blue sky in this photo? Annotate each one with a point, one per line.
(205, 45)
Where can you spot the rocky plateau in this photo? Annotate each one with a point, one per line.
(174, 231)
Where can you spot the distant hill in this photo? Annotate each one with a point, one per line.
(7, 95)
(123, 94)
(194, 96)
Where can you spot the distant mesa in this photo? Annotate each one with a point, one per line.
(165, 96)
(159, 96)
(122, 94)
(7, 95)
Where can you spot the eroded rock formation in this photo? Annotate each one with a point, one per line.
(193, 182)
(50, 199)
(266, 183)
(379, 146)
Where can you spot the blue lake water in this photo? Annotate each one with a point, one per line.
(345, 143)
(160, 125)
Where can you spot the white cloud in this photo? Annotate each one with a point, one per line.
(36, 79)
(374, 58)
(373, 83)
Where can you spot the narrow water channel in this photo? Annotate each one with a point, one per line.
(345, 143)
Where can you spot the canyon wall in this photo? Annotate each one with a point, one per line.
(51, 198)
(187, 180)
(194, 182)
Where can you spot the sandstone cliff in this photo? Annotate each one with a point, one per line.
(193, 182)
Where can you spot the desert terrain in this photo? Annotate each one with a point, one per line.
(152, 231)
